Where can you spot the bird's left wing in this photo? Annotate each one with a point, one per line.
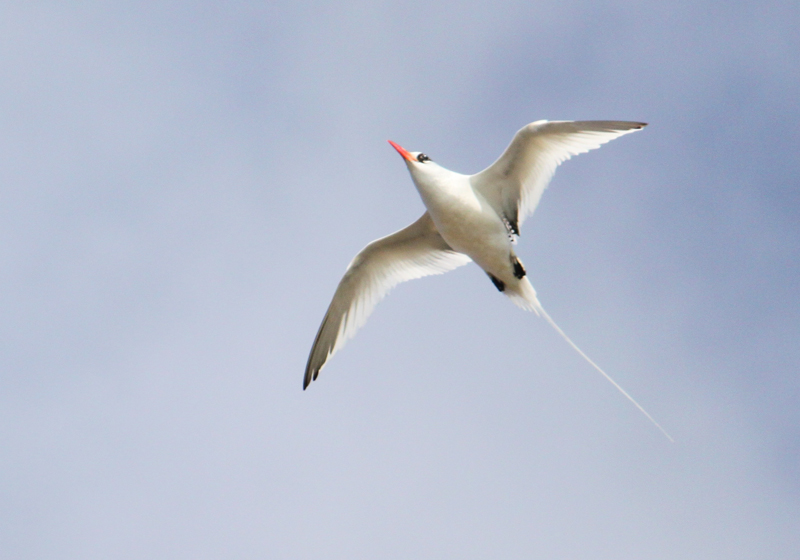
(515, 182)
(413, 252)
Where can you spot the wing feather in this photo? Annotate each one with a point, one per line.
(413, 252)
(515, 182)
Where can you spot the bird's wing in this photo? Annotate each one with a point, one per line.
(413, 252)
(515, 182)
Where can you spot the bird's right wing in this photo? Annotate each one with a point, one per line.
(413, 252)
(515, 182)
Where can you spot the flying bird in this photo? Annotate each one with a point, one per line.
(468, 218)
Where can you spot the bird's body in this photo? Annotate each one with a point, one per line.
(467, 222)
(468, 218)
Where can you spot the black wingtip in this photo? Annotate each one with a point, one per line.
(309, 377)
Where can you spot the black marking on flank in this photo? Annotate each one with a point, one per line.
(519, 270)
(499, 284)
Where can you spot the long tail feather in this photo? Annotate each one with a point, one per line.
(598, 368)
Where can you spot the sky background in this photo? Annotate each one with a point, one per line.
(182, 185)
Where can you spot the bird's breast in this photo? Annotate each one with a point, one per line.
(467, 222)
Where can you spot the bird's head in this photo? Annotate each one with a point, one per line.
(416, 161)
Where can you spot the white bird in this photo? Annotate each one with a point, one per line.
(468, 218)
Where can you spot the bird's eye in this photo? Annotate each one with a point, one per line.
(422, 158)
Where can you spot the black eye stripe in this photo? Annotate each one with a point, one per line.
(422, 158)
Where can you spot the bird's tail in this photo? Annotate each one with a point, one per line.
(526, 298)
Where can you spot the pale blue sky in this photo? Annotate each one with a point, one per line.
(182, 185)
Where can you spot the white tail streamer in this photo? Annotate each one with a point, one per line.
(598, 368)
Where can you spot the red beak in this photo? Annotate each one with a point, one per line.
(403, 152)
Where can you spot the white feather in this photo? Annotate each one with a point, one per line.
(515, 182)
(413, 252)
